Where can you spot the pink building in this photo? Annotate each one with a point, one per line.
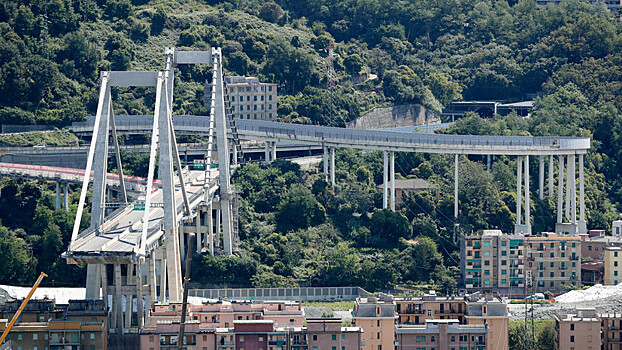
(442, 334)
(328, 334)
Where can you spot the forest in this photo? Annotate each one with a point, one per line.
(382, 52)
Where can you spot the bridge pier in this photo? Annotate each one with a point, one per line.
(58, 196)
(332, 167)
(523, 223)
(388, 179)
(392, 175)
(541, 182)
(210, 227)
(551, 176)
(325, 149)
(456, 165)
(217, 231)
(385, 179)
(567, 221)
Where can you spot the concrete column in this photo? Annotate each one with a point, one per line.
(234, 155)
(118, 300)
(392, 181)
(129, 302)
(541, 189)
(182, 242)
(197, 220)
(519, 199)
(210, 228)
(273, 152)
(267, 153)
(217, 235)
(332, 166)
(573, 188)
(560, 191)
(551, 176)
(227, 235)
(66, 196)
(325, 163)
(527, 196)
(163, 284)
(385, 179)
(582, 224)
(93, 280)
(488, 161)
(139, 293)
(568, 184)
(456, 165)
(129, 278)
(57, 196)
(104, 282)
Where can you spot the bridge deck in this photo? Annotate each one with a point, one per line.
(122, 230)
(364, 139)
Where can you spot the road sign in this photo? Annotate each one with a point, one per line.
(139, 206)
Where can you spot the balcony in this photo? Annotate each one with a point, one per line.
(448, 312)
(412, 312)
(299, 342)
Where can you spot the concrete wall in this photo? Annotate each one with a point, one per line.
(395, 116)
(293, 294)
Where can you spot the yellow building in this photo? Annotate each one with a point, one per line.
(613, 265)
(376, 316)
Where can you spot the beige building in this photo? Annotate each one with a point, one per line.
(471, 310)
(611, 331)
(376, 316)
(613, 265)
(442, 334)
(578, 331)
(554, 261)
(493, 262)
(251, 99)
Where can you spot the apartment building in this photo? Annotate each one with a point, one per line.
(471, 310)
(442, 334)
(612, 265)
(577, 331)
(611, 331)
(319, 333)
(554, 261)
(45, 325)
(222, 314)
(493, 262)
(251, 99)
(376, 316)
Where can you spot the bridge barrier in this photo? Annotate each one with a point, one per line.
(291, 294)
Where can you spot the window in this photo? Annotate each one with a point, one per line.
(504, 262)
(552, 245)
(487, 244)
(486, 253)
(315, 337)
(572, 338)
(615, 273)
(504, 272)
(504, 243)
(486, 272)
(334, 337)
(486, 262)
(35, 336)
(19, 336)
(269, 87)
(334, 348)
(254, 98)
(260, 338)
(504, 281)
(552, 255)
(254, 107)
(241, 339)
(232, 98)
(504, 253)
(92, 347)
(262, 96)
(432, 339)
(589, 247)
(92, 336)
(487, 282)
(343, 337)
(572, 326)
(615, 263)
(552, 274)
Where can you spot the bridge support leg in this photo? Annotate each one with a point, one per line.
(267, 153)
(456, 166)
(129, 301)
(560, 190)
(325, 148)
(93, 280)
(66, 196)
(227, 238)
(519, 199)
(272, 151)
(541, 182)
(210, 227)
(573, 188)
(582, 226)
(117, 309)
(217, 235)
(332, 167)
(139, 294)
(182, 243)
(58, 199)
(104, 281)
(488, 161)
(385, 179)
(551, 176)
(197, 220)
(392, 181)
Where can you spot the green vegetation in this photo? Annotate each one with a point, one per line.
(332, 305)
(295, 229)
(520, 335)
(52, 138)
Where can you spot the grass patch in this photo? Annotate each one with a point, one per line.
(56, 138)
(334, 305)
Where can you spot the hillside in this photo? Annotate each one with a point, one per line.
(422, 52)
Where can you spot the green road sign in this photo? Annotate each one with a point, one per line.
(139, 206)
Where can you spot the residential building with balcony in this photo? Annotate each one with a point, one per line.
(611, 331)
(554, 260)
(251, 99)
(442, 334)
(578, 331)
(46, 325)
(473, 309)
(328, 334)
(612, 266)
(493, 262)
(376, 316)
